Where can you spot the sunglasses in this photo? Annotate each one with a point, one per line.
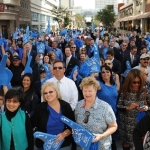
(145, 59)
(73, 47)
(124, 45)
(107, 63)
(50, 92)
(105, 72)
(55, 68)
(12, 101)
(146, 74)
(86, 119)
(136, 82)
(1, 99)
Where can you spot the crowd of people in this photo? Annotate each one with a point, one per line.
(112, 103)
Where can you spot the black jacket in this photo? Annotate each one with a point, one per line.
(73, 62)
(116, 66)
(41, 116)
(142, 127)
(127, 58)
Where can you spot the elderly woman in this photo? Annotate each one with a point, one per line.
(95, 115)
(133, 98)
(15, 125)
(47, 116)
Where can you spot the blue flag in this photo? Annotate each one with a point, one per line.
(93, 26)
(63, 32)
(49, 141)
(81, 136)
(5, 73)
(47, 31)
(48, 74)
(28, 69)
(40, 48)
(91, 65)
(79, 78)
(79, 43)
(128, 68)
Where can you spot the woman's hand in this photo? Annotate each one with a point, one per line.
(132, 106)
(144, 108)
(98, 137)
(60, 137)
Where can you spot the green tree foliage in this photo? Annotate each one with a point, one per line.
(62, 15)
(107, 16)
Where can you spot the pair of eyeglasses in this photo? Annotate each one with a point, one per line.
(124, 45)
(107, 64)
(86, 119)
(55, 68)
(105, 72)
(73, 47)
(50, 92)
(136, 82)
(145, 59)
(12, 101)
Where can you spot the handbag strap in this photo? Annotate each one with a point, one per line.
(145, 101)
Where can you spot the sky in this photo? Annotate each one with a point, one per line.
(87, 4)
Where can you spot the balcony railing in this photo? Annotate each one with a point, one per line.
(12, 2)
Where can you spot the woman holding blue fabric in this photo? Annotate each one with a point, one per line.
(47, 116)
(95, 115)
(15, 125)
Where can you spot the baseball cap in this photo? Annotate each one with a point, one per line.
(16, 58)
(144, 56)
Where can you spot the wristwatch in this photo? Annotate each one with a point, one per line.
(65, 133)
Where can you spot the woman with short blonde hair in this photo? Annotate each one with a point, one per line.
(47, 116)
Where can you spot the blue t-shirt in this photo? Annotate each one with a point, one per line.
(54, 124)
(108, 94)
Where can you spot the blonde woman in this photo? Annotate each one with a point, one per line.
(95, 115)
(47, 116)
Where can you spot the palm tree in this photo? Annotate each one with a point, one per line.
(62, 16)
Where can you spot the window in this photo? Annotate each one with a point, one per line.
(35, 28)
(47, 18)
(34, 16)
(42, 17)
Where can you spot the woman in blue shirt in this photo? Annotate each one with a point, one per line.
(47, 116)
(108, 89)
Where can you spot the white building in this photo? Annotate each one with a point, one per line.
(101, 4)
(41, 13)
(66, 3)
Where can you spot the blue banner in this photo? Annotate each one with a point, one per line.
(81, 136)
(5, 73)
(28, 69)
(49, 141)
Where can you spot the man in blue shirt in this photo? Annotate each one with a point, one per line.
(57, 51)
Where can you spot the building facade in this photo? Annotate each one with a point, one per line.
(135, 15)
(41, 13)
(14, 13)
(101, 4)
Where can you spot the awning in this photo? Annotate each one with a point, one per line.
(136, 17)
(145, 15)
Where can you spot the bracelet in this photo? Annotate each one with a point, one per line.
(146, 108)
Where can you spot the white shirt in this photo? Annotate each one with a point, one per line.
(68, 90)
